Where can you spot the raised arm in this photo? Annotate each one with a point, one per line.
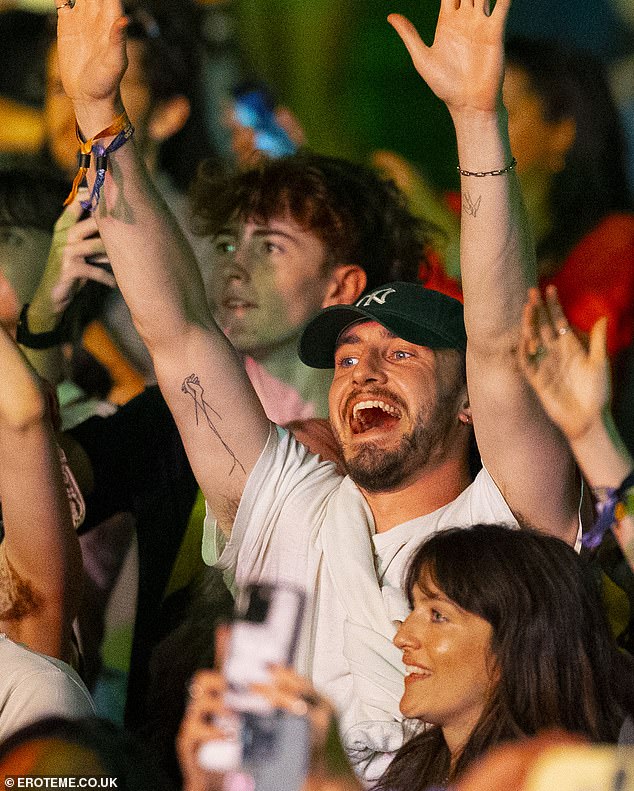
(523, 451)
(40, 560)
(219, 416)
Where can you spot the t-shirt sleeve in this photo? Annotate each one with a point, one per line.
(49, 693)
(279, 517)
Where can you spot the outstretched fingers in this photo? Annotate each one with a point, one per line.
(598, 342)
(409, 36)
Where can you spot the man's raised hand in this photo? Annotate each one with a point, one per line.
(464, 66)
(91, 45)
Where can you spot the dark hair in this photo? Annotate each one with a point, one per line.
(359, 218)
(593, 182)
(172, 62)
(550, 643)
(31, 199)
(118, 756)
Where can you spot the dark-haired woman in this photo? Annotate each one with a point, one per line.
(506, 637)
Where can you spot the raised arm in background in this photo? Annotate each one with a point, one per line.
(40, 559)
(572, 382)
(525, 454)
(218, 414)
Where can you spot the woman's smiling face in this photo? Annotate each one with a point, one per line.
(448, 660)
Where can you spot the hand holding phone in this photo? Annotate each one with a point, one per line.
(274, 745)
(254, 108)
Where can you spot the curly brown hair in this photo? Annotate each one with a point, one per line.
(359, 218)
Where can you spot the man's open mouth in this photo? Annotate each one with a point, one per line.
(367, 415)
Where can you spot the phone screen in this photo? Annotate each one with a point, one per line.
(254, 108)
(264, 633)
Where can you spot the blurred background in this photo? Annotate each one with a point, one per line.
(337, 65)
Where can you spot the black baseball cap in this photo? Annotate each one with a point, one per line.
(412, 312)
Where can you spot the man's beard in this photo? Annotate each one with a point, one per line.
(378, 470)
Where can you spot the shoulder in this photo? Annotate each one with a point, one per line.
(482, 501)
(36, 685)
(287, 465)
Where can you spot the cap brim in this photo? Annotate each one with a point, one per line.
(318, 342)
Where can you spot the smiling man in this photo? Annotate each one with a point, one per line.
(398, 401)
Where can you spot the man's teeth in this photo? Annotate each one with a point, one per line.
(374, 405)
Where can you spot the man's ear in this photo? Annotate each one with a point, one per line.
(346, 284)
(464, 415)
(168, 118)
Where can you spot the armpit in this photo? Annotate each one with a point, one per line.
(18, 598)
(225, 513)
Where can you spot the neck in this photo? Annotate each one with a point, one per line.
(431, 489)
(280, 360)
(283, 364)
(456, 738)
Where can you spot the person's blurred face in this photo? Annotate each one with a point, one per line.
(539, 145)
(264, 282)
(51, 756)
(23, 254)
(59, 118)
(448, 664)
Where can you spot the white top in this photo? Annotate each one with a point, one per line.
(300, 522)
(34, 686)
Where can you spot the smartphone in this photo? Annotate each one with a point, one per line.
(267, 622)
(273, 747)
(254, 107)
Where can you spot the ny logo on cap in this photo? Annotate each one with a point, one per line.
(379, 296)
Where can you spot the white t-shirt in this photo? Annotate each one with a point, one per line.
(34, 686)
(300, 522)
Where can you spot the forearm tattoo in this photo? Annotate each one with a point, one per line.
(193, 388)
(470, 206)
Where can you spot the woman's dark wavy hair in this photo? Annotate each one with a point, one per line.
(593, 183)
(359, 218)
(550, 643)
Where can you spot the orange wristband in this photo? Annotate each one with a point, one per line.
(85, 150)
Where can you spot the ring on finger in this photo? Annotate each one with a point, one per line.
(563, 330)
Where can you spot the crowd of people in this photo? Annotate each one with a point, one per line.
(307, 374)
